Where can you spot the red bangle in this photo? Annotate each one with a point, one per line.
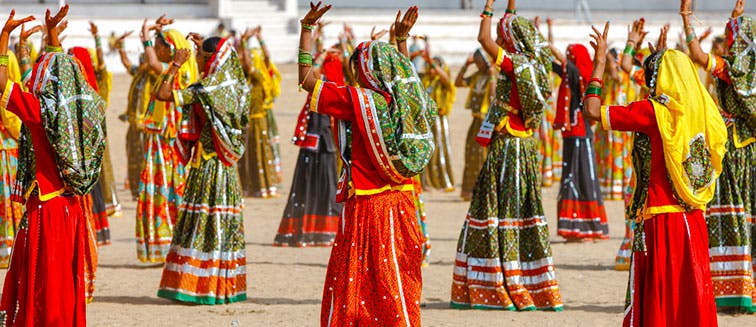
(588, 96)
(598, 80)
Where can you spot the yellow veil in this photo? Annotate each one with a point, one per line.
(156, 115)
(11, 122)
(443, 96)
(104, 77)
(271, 77)
(692, 130)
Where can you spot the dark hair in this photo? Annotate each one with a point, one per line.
(210, 44)
(651, 67)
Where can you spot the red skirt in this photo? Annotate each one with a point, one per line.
(45, 283)
(670, 283)
(374, 276)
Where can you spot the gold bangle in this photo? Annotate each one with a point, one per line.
(305, 78)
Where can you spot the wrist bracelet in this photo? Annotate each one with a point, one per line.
(597, 80)
(690, 36)
(511, 11)
(24, 61)
(4, 60)
(304, 58)
(51, 48)
(307, 27)
(486, 13)
(588, 96)
(402, 38)
(592, 89)
(175, 64)
(147, 43)
(262, 43)
(97, 42)
(629, 50)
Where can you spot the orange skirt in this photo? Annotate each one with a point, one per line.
(373, 276)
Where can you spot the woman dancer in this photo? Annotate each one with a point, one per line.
(45, 283)
(677, 153)
(505, 262)
(11, 211)
(207, 259)
(162, 178)
(311, 215)
(580, 207)
(373, 275)
(482, 84)
(138, 99)
(734, 204)
(438, 84)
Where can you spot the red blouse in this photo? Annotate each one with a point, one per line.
(514, 123)
(336, 101)
(26, 106)
(640, 117)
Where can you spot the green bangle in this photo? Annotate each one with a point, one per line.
(4, 60)
(97, 42)
(308, 27)
(487, 13)
(147, 43)
(261, 42)
(691, 36)
(595, 90)
(24, 61)
(51, 48)
(513, 11)
(305, 58)
(402, 38)
(629, 50)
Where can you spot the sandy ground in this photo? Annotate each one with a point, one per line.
(285, 284)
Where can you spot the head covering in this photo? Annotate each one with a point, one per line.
(222, 100)
(85, 60)
(480, 55)
(393, 111)
(443, 96)
(531, 59)
(10, 124)
(738, 98)
(577, 55)
(160, 115)
(271, 82)
(73, 116)
(692, 131)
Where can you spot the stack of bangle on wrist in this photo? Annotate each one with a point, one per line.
(24, 61)
(402, 38)
(629, 49)
(97, 41)
(487, 12)
(147, 43)
(51, 48)
(594, 91)
(307, 27)
(512, 11)
(4, 60)
(690, 35)
(304, 58)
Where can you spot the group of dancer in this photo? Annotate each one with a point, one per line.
(372, 134)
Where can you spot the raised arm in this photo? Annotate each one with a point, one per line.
(460, 80)
(10, 25)
(98, 46)
(484, 34)
(306, 79)
(23, 52)
(150, 56)
(635, 36)
(55, 25)
(696, 53)
(442, 75)
(402, 28)
(122, 52)
(263, 47)
(592, 101)
(558, 55)
(165, 93)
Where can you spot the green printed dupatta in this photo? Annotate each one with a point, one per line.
(393, 111)
(222, 98)
(531, 59)
(73, 116)
(738, 98)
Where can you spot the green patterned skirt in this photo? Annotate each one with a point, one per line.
(207, 260)
(504, 254)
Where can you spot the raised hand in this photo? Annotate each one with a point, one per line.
(93, 28)
(636, 34)
(25, 34)
(124, 36)
(599, 43)
(662, 42)
(705, 34)
(182, 55)
(164, 20)
(196, 39)
(52, 21)
(377, 35)
(316, 12)
(739, 8)
(403, 25)
(12, 23)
